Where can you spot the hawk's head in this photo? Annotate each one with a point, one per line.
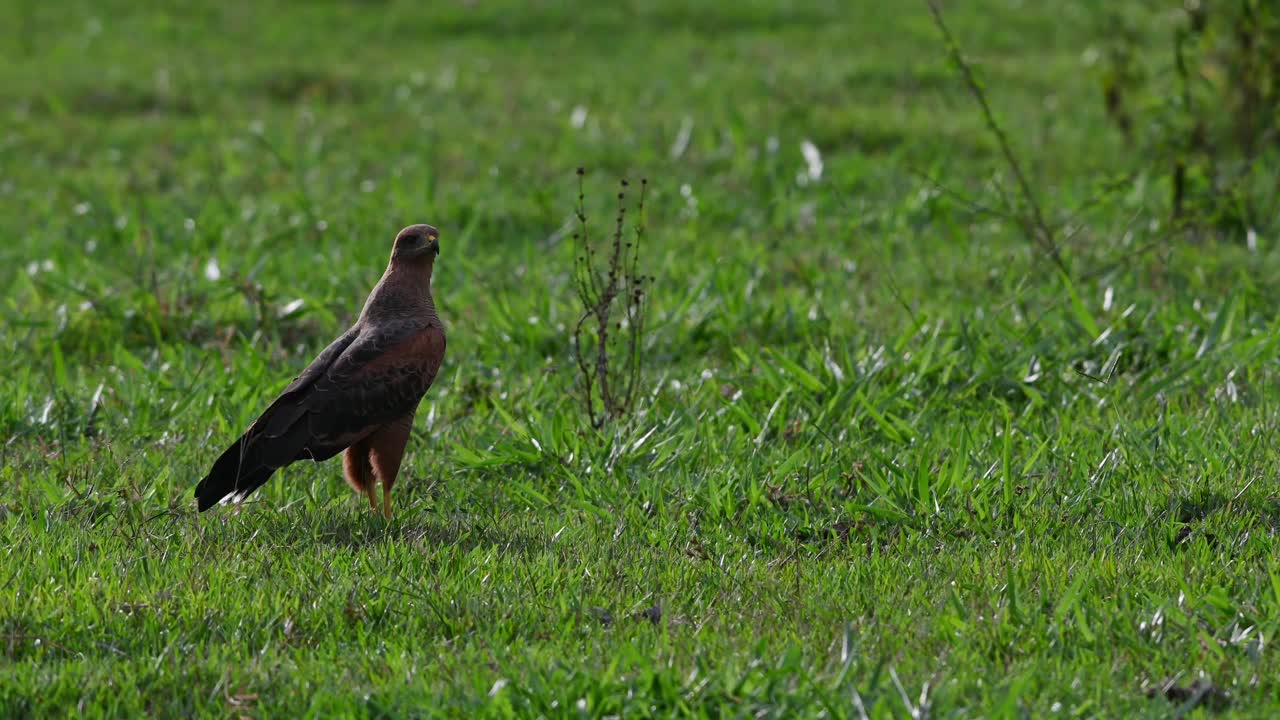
(416, 241)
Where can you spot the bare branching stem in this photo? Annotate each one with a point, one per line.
(608, 338)
(1036, 226)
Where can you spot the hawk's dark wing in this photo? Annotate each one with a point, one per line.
(362, 381)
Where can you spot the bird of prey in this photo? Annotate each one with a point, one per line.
(359, 395)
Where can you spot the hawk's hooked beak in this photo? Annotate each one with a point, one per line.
(434, 247)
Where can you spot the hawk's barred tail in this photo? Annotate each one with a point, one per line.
(238, 471)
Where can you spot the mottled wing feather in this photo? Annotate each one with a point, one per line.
(378, 379)
(324, 360)
(284, 411)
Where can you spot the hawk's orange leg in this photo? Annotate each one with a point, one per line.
(386, 450)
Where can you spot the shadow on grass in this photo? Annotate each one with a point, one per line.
(355, 531)
(602, 26)
(290, 86)
(1190, 513)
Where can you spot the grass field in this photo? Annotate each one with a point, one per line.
(889, 460)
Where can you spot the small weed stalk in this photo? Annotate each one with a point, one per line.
(1033, 221)
(609, 336)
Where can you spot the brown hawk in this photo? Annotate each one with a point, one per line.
(359, 395)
